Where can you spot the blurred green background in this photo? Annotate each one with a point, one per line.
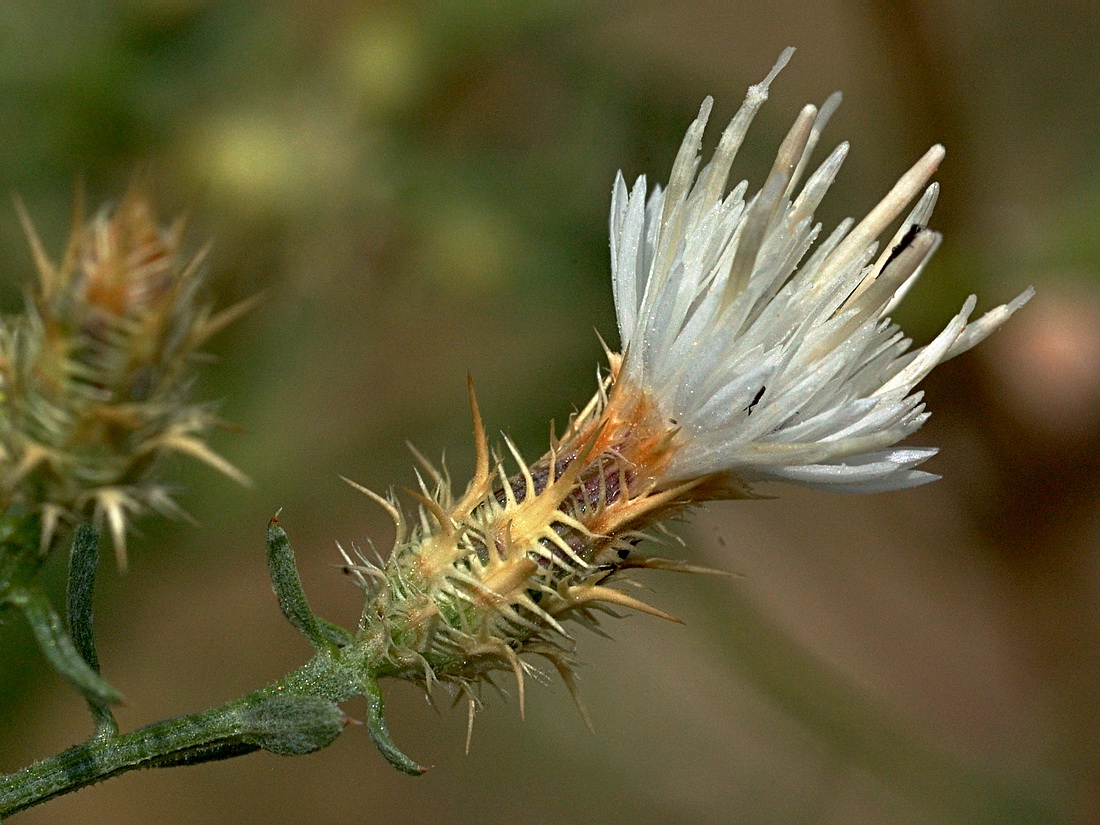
(420, 190)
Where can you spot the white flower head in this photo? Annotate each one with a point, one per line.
(748, 354)
(774, 359)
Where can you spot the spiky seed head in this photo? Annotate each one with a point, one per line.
(95, 375)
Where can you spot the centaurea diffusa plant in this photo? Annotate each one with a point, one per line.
(95, 380)
(740, 363)
(747, 355)
(95, 375)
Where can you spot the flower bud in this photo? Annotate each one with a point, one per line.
(95, 376)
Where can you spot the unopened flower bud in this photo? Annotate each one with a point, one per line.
(95, 376)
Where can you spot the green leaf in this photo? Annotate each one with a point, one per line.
(83, 561)
(291, 725)
(287, 585)
(380, 735)
(58, 647)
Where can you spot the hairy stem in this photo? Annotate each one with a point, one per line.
(294, 715)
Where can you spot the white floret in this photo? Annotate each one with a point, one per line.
(776, 359)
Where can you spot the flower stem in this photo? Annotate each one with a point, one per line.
(295, 715)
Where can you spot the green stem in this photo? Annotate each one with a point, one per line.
(298, 714)
(295, 715)
(21, 559)
(20, 555)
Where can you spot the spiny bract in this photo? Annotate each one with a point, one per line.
(95, 375)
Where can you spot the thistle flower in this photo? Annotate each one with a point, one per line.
(768, 368)
(95, 375)
(745, 357)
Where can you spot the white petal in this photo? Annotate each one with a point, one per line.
(977, 331)
(772, 366)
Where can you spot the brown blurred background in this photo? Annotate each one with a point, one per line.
(420, 190)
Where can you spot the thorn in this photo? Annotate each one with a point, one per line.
(197, 449)
(479, 485)
(215, 324)
(428, 467)
(41, 259)
(393, 512)
(469, 723)
(481, 444)
(446, 524)
(597, 593)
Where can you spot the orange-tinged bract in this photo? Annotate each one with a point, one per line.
(497, 571)
(95, 375)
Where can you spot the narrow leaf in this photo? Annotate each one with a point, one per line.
(58, 647)
(83, 561)
(287, 585)
(380, 735)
